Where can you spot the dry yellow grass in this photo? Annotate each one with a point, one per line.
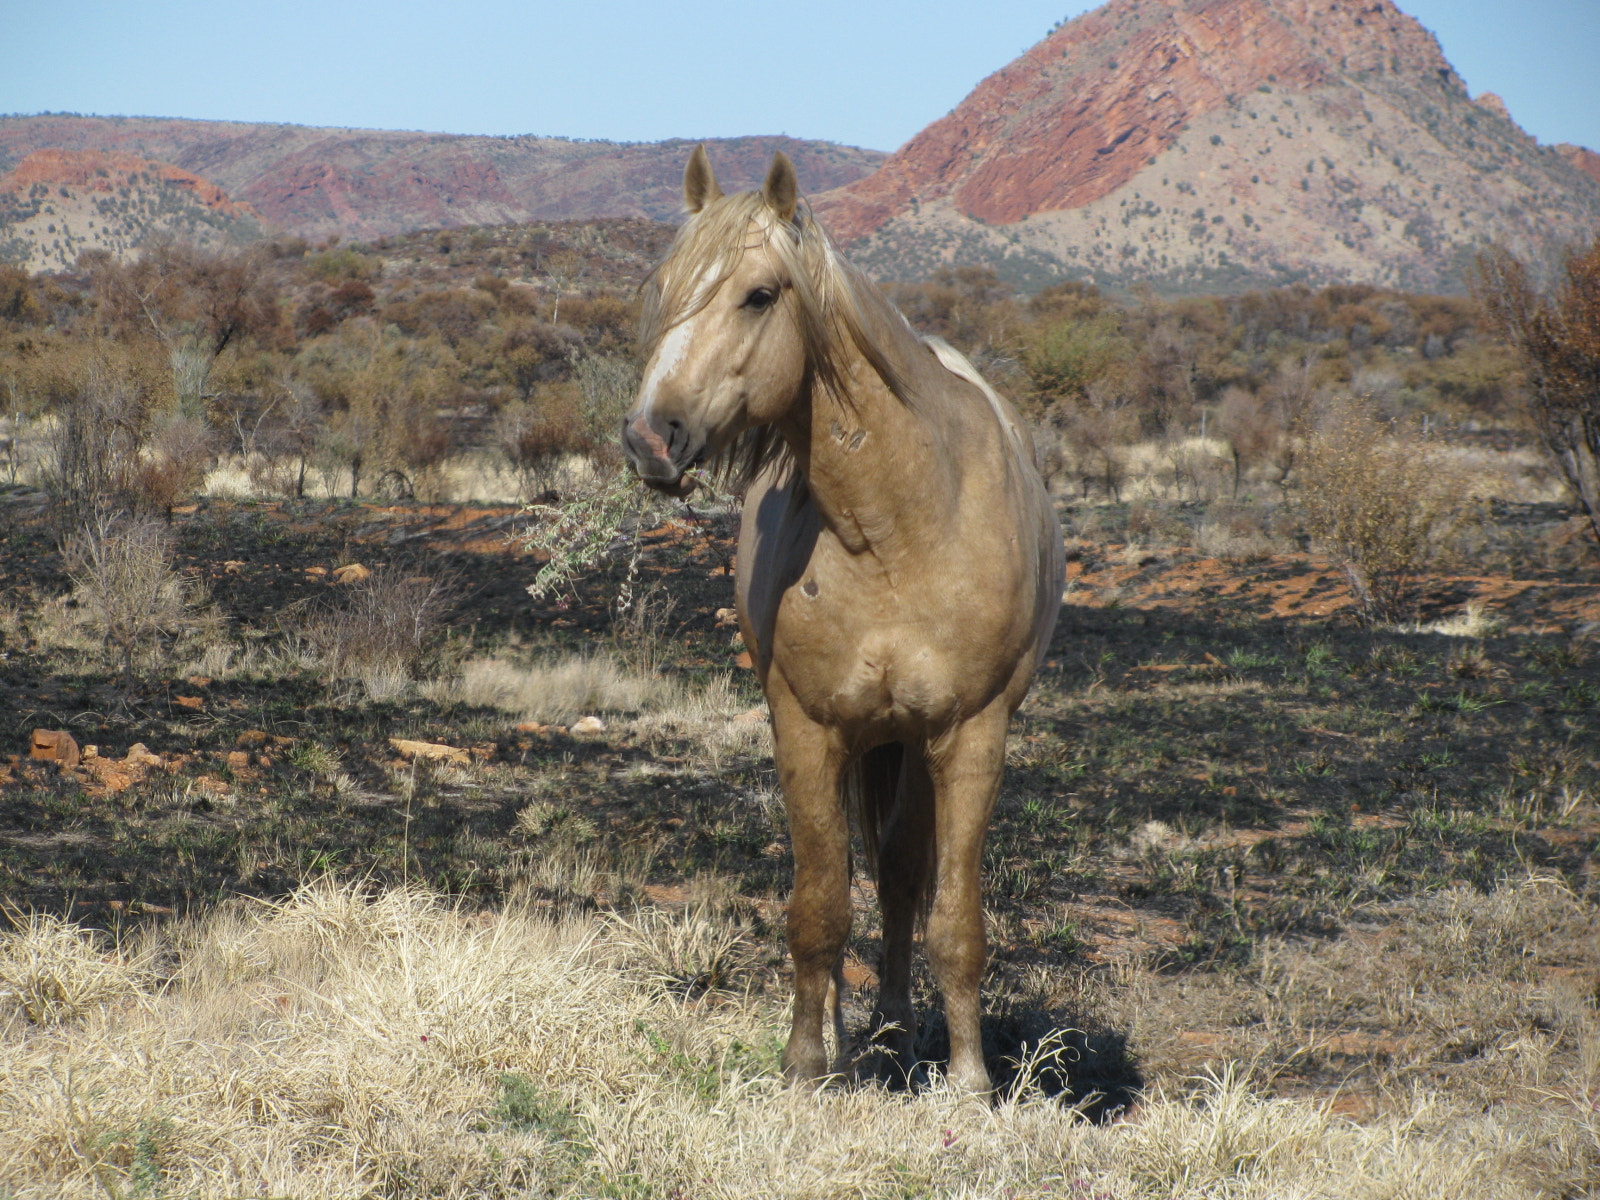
(713, 719)
(476, 476)
(344, 1044)
(559, 690)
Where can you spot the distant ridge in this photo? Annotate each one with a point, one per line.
(1210, 144)
(1185, 145)
(366, 184)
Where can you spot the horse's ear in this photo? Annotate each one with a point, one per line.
(699, 184)
(781, 191)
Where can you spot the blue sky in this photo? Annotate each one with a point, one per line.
(869, 73)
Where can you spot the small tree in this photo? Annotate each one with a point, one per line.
(194, 303)
(1380, 500)
(345, 444)
(278, 434)
(561, 270)
(1558, 337)
(1095, 437)
(95, 443)
(1251, 429)
(127, 587)
(174, 465)
(1065, 357)
(1289, 399)
(535, 438)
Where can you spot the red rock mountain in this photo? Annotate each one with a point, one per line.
(1584, 159)
(1194, 145)
(1203, 143)
(55, 204)
(369, 183)
(98, 171)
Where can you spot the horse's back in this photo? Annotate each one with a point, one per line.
(1020, 498)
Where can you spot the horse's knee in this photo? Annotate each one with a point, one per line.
(816, 939)
(955, 941)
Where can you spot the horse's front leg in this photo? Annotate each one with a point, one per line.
(810, 759)
(965, 765)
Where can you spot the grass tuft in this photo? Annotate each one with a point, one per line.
(559, 691)
(56, 972)
(386, 1043)
(687, 953)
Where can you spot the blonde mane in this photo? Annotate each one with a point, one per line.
(837, 307)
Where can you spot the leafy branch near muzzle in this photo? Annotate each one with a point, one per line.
(599, 524)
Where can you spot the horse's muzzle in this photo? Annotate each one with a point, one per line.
(660, 461)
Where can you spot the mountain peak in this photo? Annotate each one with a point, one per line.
(1077, 115)
(1492, 102)
(1104, 103)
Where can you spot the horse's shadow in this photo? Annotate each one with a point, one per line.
(1047, 1052)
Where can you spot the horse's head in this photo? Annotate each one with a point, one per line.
(722, 328)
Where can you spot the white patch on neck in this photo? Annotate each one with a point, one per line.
(959, 365)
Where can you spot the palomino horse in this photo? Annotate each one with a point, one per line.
(899, 572)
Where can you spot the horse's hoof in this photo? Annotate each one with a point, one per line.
(970, 1082)
(806, 1068)
(882, 1065)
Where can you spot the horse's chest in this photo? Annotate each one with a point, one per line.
(893, 662)
(896, 647)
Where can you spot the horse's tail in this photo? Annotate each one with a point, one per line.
(892, 797)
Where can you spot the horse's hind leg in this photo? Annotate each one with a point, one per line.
(809, 765)
(965, 766)
(905, 866)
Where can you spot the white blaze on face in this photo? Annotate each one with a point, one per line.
(674, 348)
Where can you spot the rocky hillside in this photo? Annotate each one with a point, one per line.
(56, 204)
(1191, 145)
(1583, 158)
(370, 183)
(1210, 144)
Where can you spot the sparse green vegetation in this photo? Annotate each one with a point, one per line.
(412, 883)
(1211, 814)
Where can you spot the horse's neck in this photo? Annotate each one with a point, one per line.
(884, 477)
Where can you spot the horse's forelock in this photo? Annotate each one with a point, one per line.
(703, 254)
(707, 249)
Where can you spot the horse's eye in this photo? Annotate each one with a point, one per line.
(760, 299)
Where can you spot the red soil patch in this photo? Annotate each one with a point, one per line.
(1285, 586)
(1282, 586)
